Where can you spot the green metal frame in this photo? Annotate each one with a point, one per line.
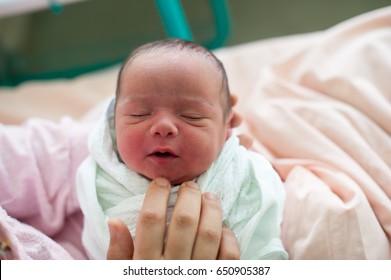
(175, 22)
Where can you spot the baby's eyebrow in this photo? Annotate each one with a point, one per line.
(196, 102)
(130, 99)
(184, 101)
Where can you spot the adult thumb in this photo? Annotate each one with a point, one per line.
(121, 242)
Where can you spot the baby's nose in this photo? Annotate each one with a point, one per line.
(164, 126)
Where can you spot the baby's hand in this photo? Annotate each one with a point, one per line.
(195, 230)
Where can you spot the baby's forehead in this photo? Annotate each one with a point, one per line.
(189, 57)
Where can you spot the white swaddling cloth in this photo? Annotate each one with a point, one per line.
(250, 190)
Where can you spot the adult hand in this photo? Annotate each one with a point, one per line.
(195, 230)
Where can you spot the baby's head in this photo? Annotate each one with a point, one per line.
(173, 110)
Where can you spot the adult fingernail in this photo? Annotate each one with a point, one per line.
(211, 196)
(191, 184)
(162, 182)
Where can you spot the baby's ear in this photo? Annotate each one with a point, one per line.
(234, 99)
(234, 118)
(230, 124)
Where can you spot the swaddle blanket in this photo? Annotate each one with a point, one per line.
(250, 190)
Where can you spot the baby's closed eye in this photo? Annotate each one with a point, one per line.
(193, 117)
(198, 120)
(137, 117)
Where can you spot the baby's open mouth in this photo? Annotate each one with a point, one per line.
(163, 154)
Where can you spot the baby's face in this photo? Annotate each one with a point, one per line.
(169, 117)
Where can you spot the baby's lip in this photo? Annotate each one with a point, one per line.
(163, 152)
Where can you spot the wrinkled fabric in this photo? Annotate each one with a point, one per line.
(324, 116)
(38, 197)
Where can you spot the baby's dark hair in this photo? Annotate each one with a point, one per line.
(174, 44)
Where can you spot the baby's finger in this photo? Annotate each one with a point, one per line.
(209, 230)
(229, 246)
(184, 223)
(121, 242)
(151, 223)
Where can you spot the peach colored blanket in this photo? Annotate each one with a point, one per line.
(318, 106)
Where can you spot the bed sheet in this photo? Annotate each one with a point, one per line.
(318, 107)
(323, 115)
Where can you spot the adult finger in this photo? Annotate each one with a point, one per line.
(229, 246)
(121, 242)
(184, 223)
(151, 223)
(209, 232)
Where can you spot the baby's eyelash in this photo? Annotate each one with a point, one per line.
(139, 115)
(193, 118)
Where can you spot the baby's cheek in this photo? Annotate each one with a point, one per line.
(129, 147)
(203, 155)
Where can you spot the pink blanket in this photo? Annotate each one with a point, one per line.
(318, 106)
(324, 116)
(40, 216)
